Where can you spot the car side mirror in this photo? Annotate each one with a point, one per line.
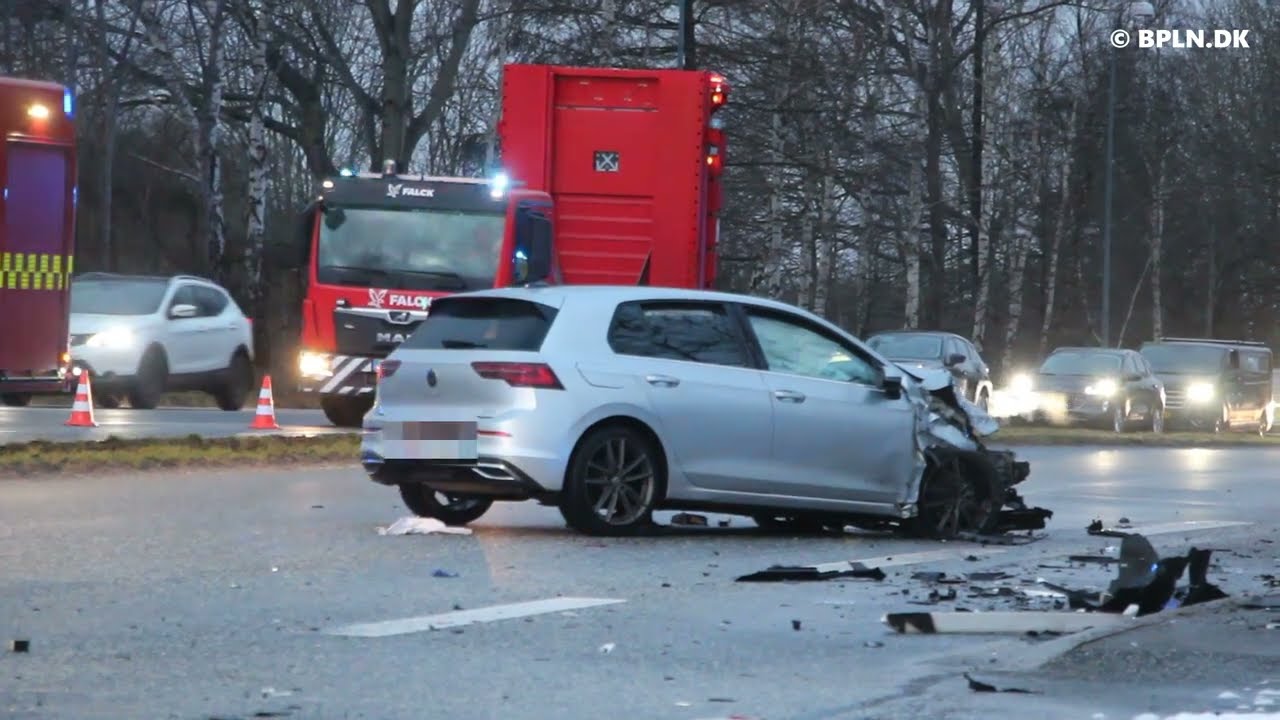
(892, 385)
(182, 311)
(955, 359)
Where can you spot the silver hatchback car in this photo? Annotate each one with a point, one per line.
(611, 402)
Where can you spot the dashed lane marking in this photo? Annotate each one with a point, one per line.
(907, 559)
(1182, 527)
(459, 618)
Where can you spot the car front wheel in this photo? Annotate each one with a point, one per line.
(448, 509)
(1157, 420)
(958, 495)
(234, 387)
(613, 484)
(16, 399)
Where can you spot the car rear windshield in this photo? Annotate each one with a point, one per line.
(488, 323)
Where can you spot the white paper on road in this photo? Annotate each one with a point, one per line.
(469, 617)
(413, 525)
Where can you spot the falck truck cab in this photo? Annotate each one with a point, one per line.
(37, 238)
(609, 177)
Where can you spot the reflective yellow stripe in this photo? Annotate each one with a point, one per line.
(34, 271)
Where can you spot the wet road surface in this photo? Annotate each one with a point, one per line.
(19, 425)
(199, 595)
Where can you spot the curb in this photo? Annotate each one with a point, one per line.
(1020, 656)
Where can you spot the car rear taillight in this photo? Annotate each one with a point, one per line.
(518, 374)
(387, 368)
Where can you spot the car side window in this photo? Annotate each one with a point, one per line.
(697, 331)
(185, 295)
(791, 346)
(211, 302)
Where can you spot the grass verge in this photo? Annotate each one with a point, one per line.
(192, 451)
(1080, 436)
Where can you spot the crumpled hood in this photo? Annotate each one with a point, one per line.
(946, 414)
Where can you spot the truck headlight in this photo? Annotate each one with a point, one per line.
(1201, 392)
(114, 338)
(313, 364)
(1102, 388)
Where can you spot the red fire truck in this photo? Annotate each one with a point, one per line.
(37, 237)
(610, 177)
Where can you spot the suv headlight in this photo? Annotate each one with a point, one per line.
(1021, 383)
(1102, 388)
(1201, 392)
(114, 338)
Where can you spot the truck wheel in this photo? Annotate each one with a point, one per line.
(107, 401)
(448, 509)
(237, 380)
(16, 399)
(148, 385)
(346, 412)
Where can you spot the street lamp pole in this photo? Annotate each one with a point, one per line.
(1108, 192)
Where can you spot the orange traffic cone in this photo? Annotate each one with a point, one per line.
(82, 407)
(265, 418)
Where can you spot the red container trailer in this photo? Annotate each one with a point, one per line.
(37, 237)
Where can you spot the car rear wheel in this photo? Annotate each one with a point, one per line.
(958, 495)
(346, 412)
(448, 509)
(16, 399)
(613, 484)
(107, 401)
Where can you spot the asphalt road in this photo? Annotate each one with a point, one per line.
(222, 595)
(18, 425)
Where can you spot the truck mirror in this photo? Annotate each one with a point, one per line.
(539, 262)
(520, 272)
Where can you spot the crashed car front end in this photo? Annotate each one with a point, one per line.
(960, 486)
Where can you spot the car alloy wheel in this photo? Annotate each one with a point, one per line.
(956, 497)
(613, 484)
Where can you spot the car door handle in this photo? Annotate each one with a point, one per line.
(662, 380)
(789, 396)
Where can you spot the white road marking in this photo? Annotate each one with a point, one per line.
(907, 559)
(459, 618)
(1179, 527)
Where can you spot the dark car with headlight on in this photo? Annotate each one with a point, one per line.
(931, 350)
(1097, 386)
(1214, 384)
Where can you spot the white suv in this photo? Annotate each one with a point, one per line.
(141, 336)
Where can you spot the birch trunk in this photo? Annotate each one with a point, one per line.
(909, 224)
(825, 243)
(767, 277)
(1017, 285)
(216, 14)
(1157, 247)
(1133, 300)
(1055, 239)
(259, 181)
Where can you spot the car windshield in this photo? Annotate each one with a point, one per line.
(915, 347)
(117, 297)
(1081, 363)
(409, 248)
(1185, 359)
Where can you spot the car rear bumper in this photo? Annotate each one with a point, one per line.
(489, 477)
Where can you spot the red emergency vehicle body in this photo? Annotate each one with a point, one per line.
(37, 236)
(610, 177)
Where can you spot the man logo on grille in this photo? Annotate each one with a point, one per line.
(607, 161)
(399, 317)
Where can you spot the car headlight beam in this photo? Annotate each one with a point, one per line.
(1102, 388)
(1021, 383)
(114, 338)
(1201, 392)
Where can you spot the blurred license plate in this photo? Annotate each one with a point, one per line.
(430, 440)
